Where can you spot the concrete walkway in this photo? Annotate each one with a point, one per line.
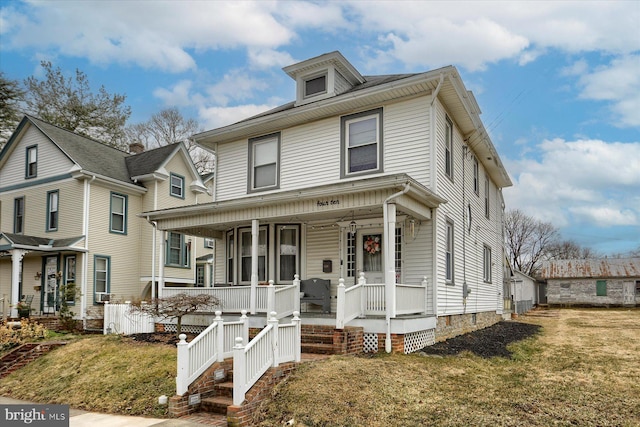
(80, 418)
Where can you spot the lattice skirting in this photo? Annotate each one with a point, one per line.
(192, 329)
(415, 341)
(370, 344)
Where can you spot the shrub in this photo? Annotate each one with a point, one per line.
(11, 336)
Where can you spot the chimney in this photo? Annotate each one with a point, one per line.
(136, 147)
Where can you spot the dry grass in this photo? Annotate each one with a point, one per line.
(99, 373)
(584, 369)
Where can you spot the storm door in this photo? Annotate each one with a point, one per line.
(369, 255)
(50, 290)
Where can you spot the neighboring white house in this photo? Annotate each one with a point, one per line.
(392, 176)
(69, 213)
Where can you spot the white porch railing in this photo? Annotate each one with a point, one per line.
(275, 344)
(119, 319)
(366, 299)
(213, 344)
(283, 299)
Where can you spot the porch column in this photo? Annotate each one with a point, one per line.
(389, 238)
(255, 236)
(16, 259)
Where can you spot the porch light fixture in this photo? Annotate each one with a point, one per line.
(352, 225)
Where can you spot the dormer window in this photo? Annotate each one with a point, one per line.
(315, 85)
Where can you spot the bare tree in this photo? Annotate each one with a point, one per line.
(71, 105)
(11, 93)
(177, 306)
(568, 249)
(528, 240)
(169, 126)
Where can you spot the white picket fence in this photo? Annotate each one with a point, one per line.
(214, 344)
(275, 344)
(120, 319)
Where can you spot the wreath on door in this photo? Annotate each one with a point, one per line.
(372, 244)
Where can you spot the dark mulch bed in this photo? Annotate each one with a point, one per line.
(487, 343)
(168, 338)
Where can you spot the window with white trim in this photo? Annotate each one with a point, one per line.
(264, 160)
(52, 210)
(177, 186)
(245, 255)
(200, 275)
(70, 277)
(118, 216)
(448, 148)
(288, 244)
(230, 256)
(31, 164)
(486, 262)
(476, 176)
(361, 140)
(487, 209)
(449, 253)
(178, 250)
(315, 85)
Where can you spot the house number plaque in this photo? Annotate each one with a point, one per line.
(323, 203)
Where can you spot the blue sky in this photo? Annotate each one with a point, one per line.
(558, 82)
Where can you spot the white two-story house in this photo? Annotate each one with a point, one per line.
(69, 213)
(391, 180)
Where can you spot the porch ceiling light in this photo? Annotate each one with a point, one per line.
(352, 227)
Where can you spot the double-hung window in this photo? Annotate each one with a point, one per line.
(178, 250)
(361, 141)
(70, 279)
(476, 176)
(449, 253)
(118, 216)
(101, 277)
(177, 186)
(31, 164)
(288, 252)
(200, 275)
(487, 209)
(264, 163)
(52, 210)
(448, 148)
(486, 262)
(230, 256)
(245, 255)
(18, 215)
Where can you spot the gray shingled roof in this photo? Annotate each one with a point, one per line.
(591, 268)
(23, 240)
(149, 161)
(91, 155)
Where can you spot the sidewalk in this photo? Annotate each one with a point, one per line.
(80, 418)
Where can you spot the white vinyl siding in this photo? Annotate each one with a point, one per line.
(51, 161)
(310, 153)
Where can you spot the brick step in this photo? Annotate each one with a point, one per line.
(217, 404)
(317, 348)
(317, 338)
(224, 389)
(206, 418)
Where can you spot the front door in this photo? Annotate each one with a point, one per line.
(369, 255)
(50, 291)
(628, 293)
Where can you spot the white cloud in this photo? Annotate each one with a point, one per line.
(619, 82)
(591, 182)
(149, 34)
(268, 58)
(214, 117)
(179, 95)
(235, 85)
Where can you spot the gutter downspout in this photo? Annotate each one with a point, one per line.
(389, 220)
(154, 224)
(433, 178)
(85, 263)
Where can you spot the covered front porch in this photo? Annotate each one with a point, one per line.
(371, 239)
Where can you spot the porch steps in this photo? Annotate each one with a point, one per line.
(24, 354)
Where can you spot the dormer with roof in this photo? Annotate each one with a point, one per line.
(323, 77)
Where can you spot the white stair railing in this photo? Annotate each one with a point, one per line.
(208, 347)
(251, 361)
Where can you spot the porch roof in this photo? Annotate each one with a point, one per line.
(10, 241)
(343, 201)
